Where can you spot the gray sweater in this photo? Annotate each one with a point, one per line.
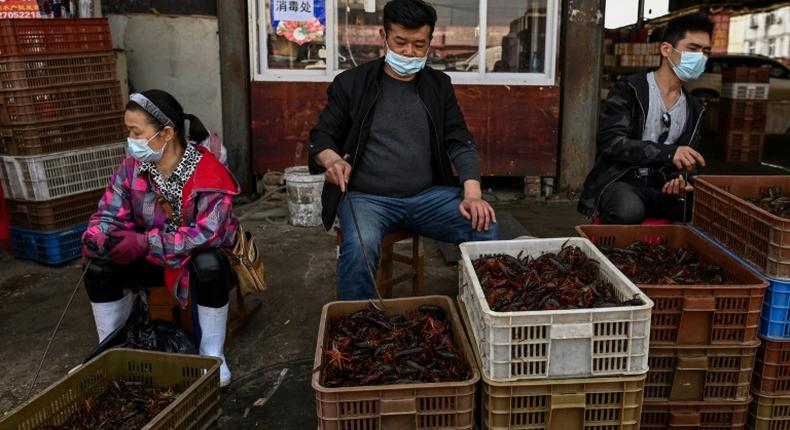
(396, 160)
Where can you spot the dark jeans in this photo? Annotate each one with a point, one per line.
(632, 200)
(432, 213)
(209, 277)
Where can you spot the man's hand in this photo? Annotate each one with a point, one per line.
(338, 171)
(474, 208)
(677, 187)
(687, 158)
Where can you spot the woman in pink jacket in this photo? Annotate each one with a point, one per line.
(165, 219)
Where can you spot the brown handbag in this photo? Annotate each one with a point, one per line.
(247, 263)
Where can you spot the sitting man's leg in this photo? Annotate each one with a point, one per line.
(665, 206)
(376, 216)
(622, 203)
(434, 213)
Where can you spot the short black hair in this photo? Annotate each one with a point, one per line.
(410, 14)
(677, 28)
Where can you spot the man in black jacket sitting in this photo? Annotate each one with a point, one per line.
(388, 139)
(649, 131)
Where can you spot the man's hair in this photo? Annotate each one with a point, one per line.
(409, 14)
(678, 27)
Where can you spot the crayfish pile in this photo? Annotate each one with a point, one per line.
(369, 348)
(125, 405)
(564, 280)
(646, 263)
(774, 202)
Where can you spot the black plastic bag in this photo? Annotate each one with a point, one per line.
(140, 332)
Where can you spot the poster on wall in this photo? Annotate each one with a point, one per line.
(299, 21)
(18, 9)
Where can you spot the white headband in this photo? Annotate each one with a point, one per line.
(151, 108)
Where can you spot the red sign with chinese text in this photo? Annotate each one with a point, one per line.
(19, 9)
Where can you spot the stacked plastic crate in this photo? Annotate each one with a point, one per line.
(61, 130)
(703, 338)
(743, 113)
(556, 369)
(723, 210)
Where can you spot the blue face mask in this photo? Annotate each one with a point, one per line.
(691, 67)
(404, 66)
(139, 149)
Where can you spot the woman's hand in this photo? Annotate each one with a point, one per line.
(131, 246)
(98, 246)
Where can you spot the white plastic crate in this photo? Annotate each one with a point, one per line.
(561, 343)
(744, 91)
(45, 177)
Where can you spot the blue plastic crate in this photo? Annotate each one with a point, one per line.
(775, 318)
(52, 247)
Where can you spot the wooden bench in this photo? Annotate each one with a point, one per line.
(384, 273)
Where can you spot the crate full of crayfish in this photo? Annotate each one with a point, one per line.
(702, 295)
(552, 308)
(396, 364)
(750, 215)
(124, 388)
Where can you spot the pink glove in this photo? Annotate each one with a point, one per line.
(131, 247)
(98, 246)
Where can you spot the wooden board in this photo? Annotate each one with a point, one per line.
(516, 127)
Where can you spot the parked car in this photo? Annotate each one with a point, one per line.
(708, 86)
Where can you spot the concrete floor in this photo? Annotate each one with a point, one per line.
(300, 265)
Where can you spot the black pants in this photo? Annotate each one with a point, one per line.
(209, 278)
(631, 200)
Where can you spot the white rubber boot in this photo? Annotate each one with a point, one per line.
(110, 316)
(213, 326)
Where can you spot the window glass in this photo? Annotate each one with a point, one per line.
(516, 40)
(291, 43)
(455, 38)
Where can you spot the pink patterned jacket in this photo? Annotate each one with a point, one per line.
(130, 202)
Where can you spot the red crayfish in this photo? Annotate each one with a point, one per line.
(648, 263)
(369, 348)
(564, 280)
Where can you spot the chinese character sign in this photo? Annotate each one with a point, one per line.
(299, 21)
(296, 10)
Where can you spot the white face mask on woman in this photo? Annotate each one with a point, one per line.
(140, 150)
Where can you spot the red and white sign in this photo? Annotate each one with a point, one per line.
(19, 9)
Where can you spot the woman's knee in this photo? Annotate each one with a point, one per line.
(211, 277)
(99, 283)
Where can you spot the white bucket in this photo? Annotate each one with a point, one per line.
(304, 196)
